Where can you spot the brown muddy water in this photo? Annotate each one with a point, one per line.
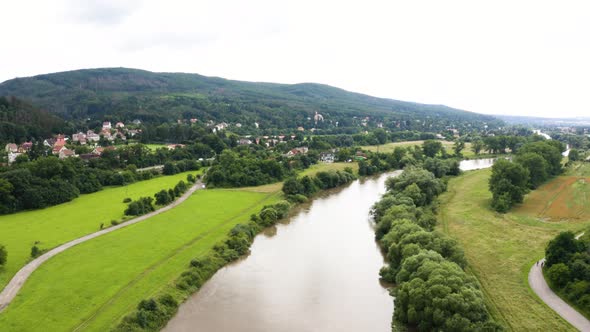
(317, 271)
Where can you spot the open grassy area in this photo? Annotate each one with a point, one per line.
(93, 285)
(389, 147)
(500, 249)
(580, 168)
(61, 223)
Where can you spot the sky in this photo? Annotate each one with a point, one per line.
(495, 57)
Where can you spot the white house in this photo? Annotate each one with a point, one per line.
(106, 125)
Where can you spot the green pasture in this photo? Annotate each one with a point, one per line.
(61, 223)
(500, 249)
(389, 147)
(93, 285)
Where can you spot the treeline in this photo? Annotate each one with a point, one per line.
(299, 189)
(433, 291)
(50, 181)
(247, 167)
(153, 313)
(163, 197)
(567, 266)
(534, 163)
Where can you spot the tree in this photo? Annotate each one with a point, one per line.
(162, 197)
(3, 255)
(458, 147)
(559, 274)
(561, 248)
(431, 148)
(477, 146)
(537, 166)
(508, 184)
(574, 155)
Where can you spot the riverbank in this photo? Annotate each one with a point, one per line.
(295, 278)
(501, 248)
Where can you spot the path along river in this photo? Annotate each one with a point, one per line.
(317, 271)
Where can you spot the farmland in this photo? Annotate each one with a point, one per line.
(500, 248)
(96, 283)
(61, 223)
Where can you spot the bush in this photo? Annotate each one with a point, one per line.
(142, 206)
(559, 274)
(127, 200)
(3, 255)
(35, 251)
(114, 222)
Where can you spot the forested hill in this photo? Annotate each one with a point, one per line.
(19, 121)
(127, 94)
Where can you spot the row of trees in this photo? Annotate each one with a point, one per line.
(433, 291)
(567, 267)
(534, 163)
(153, 313)
(306, 186)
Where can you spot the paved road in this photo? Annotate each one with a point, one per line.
(540, 287)
(15, 284)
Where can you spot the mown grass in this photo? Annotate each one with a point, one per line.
(93, 285)
(389, 147)
(61, 223)
(500, 250)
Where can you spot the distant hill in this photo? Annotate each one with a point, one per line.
(127, 94)
(20, 121)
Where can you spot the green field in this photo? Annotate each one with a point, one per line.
(500, 250)
(61, 223)
(152, 147)
(93, 285)
(389, 147)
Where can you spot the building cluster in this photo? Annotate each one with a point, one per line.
(58, 147)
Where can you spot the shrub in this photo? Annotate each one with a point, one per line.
(35, 251)
(127, 200)
(3, 255)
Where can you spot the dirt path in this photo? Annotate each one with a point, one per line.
(540, 287)
(16, 283)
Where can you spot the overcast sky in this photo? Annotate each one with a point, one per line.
(497, 57)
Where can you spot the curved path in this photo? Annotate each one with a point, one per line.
(16, 283)
(540, 287)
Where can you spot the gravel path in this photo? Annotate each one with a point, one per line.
(15, 284)
(540, 287)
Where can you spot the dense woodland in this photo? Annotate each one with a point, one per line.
(20, 121)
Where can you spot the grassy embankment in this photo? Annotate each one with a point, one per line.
(500, 249)
(93, 285)
(58, 224)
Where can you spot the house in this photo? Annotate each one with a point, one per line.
(49, 142)
(238, 125)
(136, 122)
(360, 156)
(77, 137)
(12, 157)
(327, 157)
(318, 117)
(296, 151)
(66, 153)
(57, 149)
(300, 128)
(120, 125)
(193, 120)
(26, 146)
(11, 147)
(88, 156)
(106, 125)
(92, 136)
(98, 150)
(133, 132)
(244, 141)
(221, 126)
(60, 140)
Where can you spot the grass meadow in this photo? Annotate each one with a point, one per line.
(501, 248)
(58, 224)
(93, 285)
(389, 147)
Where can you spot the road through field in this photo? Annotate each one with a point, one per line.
(16, 283)
(540, 287)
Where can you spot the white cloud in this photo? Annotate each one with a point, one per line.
(525, 57)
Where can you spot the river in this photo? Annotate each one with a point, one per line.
(317, 271)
